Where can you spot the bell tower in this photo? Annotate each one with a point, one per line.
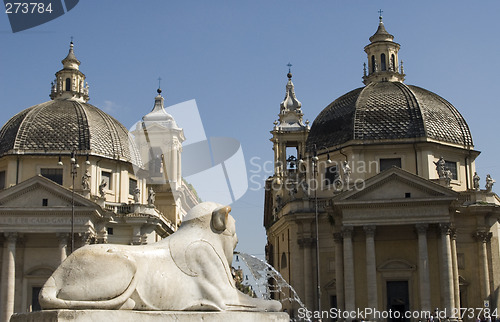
(383, 60)
(289, 134)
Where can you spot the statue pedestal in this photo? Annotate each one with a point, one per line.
(147, 316)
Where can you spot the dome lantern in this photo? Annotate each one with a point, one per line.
(290, 108)
(70, 81)
(382, 54)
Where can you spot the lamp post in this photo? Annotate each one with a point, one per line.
(74, 172)
(315, 160)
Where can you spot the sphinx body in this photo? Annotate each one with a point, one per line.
(189, 270)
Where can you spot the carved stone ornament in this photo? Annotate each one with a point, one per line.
(188, 271)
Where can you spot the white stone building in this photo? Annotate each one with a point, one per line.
(388, 170)
(71, 175)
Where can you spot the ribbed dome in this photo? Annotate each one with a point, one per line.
(64, 125)
(388, 111)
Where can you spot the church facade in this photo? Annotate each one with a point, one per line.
(72, 175)
(377, 203)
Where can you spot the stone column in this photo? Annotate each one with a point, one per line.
(446, 269)
(339, 270)
(9, 276)
(349, 291)
(483, 238)
(63, 245)
(454, 261)
(423, 268)
(371, 268)
(306, 244)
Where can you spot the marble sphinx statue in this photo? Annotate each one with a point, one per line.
(189, 270)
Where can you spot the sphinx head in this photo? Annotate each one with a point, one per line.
(214, 218)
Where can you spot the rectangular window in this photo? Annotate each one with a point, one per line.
(331, 175)
(45, 202)
(2, 179)
(55, 175)
(386, 164)
(106, 177)
(452, 166)
(35, 305)
(132, 185)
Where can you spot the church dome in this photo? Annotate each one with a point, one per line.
(68, 123)
(64, 125)
(389, 112)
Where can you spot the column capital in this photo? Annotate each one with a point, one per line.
(11, 237)
(347, 231)
(445, 228)
(422, 228)
(62, 237)
(337, 237)
(453, 233)
(482, 236)
(370, 230)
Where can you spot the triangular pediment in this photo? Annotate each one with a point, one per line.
(32, 192)
(397, 184)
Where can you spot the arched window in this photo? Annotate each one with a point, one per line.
(68, 84)
(382, 62)
(373, 64)
(393, 63)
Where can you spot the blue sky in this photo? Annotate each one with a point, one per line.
(231, 56)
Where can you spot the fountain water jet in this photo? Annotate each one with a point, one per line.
(262, 272)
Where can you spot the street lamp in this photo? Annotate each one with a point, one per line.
(315, 160)
(74, 172)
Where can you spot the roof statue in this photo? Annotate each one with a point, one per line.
(489, 183)
(476, 180)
